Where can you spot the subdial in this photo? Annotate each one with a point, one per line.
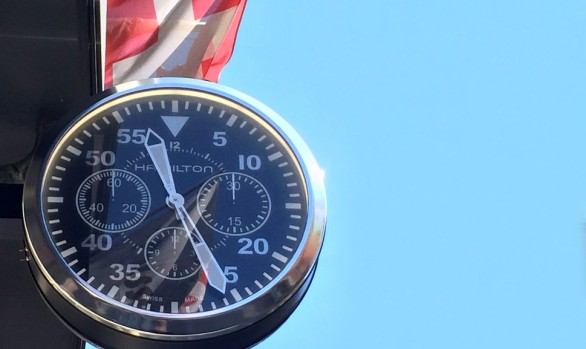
(234, 203)
(170, 254)
(113, 200)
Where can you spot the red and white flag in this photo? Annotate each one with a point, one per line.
(153, 38)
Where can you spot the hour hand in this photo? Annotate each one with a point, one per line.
(155, 146)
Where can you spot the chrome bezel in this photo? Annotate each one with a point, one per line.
(61, 278)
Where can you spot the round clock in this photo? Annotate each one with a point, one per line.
(172, 213)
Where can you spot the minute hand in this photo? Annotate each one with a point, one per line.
(155, 146)
(212, 269)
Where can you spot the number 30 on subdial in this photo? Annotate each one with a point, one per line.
(234, 203)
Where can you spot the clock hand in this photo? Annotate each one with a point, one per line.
(233, 188)
(155, 146)
(113, 182)
(189, 203)
(174, 240)
(212, 269)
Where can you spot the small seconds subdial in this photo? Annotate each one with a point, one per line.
(234, 203)
(170, 254)
(113, 200)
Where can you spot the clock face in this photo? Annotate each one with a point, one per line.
(174, 202)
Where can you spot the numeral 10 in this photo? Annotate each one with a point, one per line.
(250, 162)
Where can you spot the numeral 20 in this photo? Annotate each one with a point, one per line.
(259, 246)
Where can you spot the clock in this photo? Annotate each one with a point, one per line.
(174, 213)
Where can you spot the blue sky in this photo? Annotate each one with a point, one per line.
(453, 138)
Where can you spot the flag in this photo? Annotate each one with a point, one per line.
(154, 38)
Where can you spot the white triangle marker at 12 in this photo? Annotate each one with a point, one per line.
(175, 123)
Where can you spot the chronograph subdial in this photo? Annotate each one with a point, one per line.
(170, 254)
(113, 200)
(234, 203)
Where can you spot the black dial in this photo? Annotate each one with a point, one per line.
(180, 203)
